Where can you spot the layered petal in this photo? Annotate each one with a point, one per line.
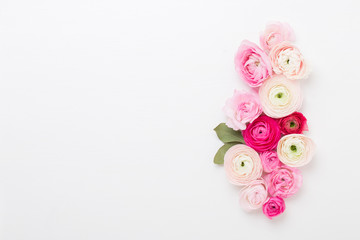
(280, 97)
(252, 64)
(295, 150)
(242, 165)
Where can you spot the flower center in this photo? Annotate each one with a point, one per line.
(279, 96)
(292, 124)
(243, 165)
(294, 149)
(288, 61)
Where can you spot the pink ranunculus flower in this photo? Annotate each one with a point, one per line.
(252, 64)
(242, 165)
(294, 123)
(253, 195)
(262, 134)
(269, 160)
(275, 33)
(273, 207)
(242, 108)
(284, 181)
(287, 59)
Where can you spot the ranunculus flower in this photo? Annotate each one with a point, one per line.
(280, 97)
(262, 134)
(284, 181)
(269, 160)
(274, 207)
(294, 123)
(253, 195)
(252, 64)
(295, 150)
(286, 59)
(242, 164)
(275, 33)
(241, 109)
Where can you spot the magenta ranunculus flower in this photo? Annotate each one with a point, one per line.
(242, 108)
(294, 123)
(269, 160)
(252, 64)
(262, 134)
(273, 207)
(284, 181)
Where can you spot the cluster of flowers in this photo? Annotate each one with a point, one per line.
(263, 136)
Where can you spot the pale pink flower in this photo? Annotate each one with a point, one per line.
(242, 108)
(295, 150)
(275, 33)
(252, 64)
(284, 181)
(253, 195)
(280, 96)
(286, 59)
(269, 160)
(242, 165)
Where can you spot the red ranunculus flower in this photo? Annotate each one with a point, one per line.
(294, 123)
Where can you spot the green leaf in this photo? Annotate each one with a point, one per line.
(219, 156)
(227, 135)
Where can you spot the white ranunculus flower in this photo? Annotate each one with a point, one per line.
(242, 165)
(295, 150)
(280, 96)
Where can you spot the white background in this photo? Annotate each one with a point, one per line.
(107, 109)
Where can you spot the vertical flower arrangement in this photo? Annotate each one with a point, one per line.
(264, 145)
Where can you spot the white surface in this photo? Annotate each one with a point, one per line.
(107, 110)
